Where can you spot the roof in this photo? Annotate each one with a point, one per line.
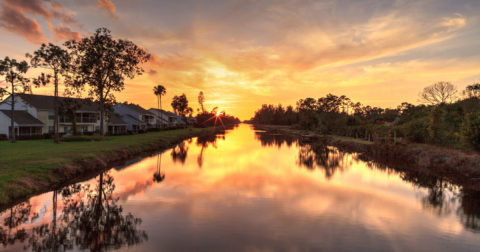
(21, 117)
(138, 109)
(135, 119)
(163, 111)
(46, 102)
(115, 120)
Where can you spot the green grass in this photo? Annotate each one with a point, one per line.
(34, 160)
(350, 139)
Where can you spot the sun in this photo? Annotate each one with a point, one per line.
(219, 113)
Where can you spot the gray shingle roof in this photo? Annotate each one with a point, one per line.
(115, 120)
(139, 109)
(135, 119)
(45, 102)
(21, 117)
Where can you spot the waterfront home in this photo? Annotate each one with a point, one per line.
(116, 125)
(135, 116)
(41, 108)
(168, 118)
(172, 118)
(191, 120)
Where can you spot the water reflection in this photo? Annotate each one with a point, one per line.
(269, 139)
(158, 176)
(254, 192)
(205, 142)
(90, 219)
(179, 153)
(326, 158)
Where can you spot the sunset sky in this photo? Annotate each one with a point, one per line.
(244, 53)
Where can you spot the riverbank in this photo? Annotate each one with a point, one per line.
(29, 167)
(453, 165)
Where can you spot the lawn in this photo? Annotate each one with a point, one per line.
(35, 159)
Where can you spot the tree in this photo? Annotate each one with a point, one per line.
(57, 59)
(180, 105)
(440, 92)
(472, 91)
(103, 63)
(159, 91)
(67, 108)
(201, 100)
(14, 72)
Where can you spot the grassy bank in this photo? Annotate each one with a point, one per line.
(29, 166)
(288, 130)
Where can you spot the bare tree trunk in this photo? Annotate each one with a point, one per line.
(12, 133)
(102, 108)
(55, 107)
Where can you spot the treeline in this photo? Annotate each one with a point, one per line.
(445, 117)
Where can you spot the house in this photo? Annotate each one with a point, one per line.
(41, 107)
(137, 117)
(116, 125)
(168, 118)
(191, 120)
(24, 123)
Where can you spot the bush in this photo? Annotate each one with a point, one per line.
(83, 138)
(89, 133)
(130, 132)
(52, 136)
(470, 131)
(3, 137)
(141, 131)
(417, 130)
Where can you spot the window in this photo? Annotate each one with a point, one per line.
(97, 128)
(84, 128)
(141, 117)
(51, 115)
(51, 129)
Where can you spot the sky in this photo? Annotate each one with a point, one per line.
(245, 53)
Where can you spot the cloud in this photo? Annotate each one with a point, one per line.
(64, 33)
(109, 8)
(13, 18)
(16, 22)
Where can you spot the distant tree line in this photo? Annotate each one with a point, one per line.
(444, 117)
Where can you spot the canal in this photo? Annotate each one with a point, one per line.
(248, 190)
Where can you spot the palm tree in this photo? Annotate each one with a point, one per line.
(160, 91)
(158, 176)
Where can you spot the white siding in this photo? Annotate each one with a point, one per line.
(5, 122)
(19, 105)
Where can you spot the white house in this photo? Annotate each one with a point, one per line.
(135, 116)
(41, 108)
(169, 118)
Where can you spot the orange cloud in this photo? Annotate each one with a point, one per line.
(16, 22)
(63, 33)
(109, 8)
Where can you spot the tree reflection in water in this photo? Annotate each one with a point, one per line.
(158, 176)
(90, 219)
(15, 217)
(179, 153)
(204, 142)
(268, 139)
(442, 197)
(327, 158)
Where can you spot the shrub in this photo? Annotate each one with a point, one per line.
(417, 130)
(3, 137)
(141, 131)
(470, 131)
(52, 136)
(75, 138)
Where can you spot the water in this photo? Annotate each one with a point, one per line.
(248, 190)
